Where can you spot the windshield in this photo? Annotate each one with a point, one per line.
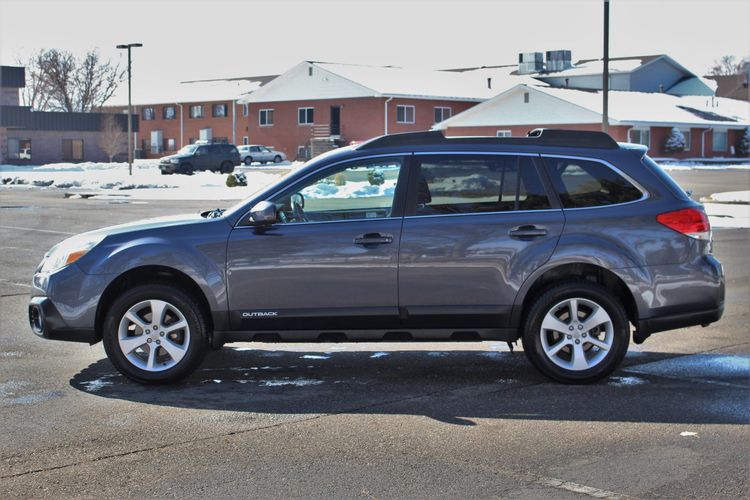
(188, 150)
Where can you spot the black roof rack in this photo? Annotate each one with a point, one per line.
(537, 137)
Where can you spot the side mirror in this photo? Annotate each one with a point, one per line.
(264, 213)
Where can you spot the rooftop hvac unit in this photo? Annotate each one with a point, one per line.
(558, 60)
(530, 62)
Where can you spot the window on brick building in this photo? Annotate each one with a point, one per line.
(245, 109)
(721, 140)
(442, 113)
(169, 113)
(305, 116)
(640, 136)
(265, 117)
(404, 113)
(503, 133)
(196, 111)
(219, 110)
(171, 145)
(148, 114)
(72, 149)
(19, 149)
(245, 140)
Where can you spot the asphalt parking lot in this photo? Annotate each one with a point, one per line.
(466, 420)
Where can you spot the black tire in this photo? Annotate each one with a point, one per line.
(197, 331)
(545, 303)
(186, 168)
(277, 159)
(249, 161)
(226, 167)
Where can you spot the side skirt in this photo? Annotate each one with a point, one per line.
(394, 335)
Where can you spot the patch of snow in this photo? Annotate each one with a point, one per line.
(737, 197)
(298, 382)
(112, 181)
(688, 434)
(96, 384)
(726, 215)
(314, 356)
(379, 355)
(212, 381)
(702, 166)
(626, 381)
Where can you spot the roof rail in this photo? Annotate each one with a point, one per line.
(536, 137)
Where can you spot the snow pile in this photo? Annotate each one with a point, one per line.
(352, 189)
(738, 197)
(113, 181)
(726, 215)
(698, 165)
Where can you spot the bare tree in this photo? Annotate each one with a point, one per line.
(34, 94)
(112, 138)
(728, 65)
(61, 82)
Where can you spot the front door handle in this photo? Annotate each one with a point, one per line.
(527, 232)
(373, 239)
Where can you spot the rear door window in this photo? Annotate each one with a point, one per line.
(586, 183)
(469, 184)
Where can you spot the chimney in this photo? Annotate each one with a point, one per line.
(489, 82)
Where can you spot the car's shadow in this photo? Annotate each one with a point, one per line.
(451, 386)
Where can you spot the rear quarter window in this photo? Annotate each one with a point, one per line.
(586, 183)
(665, 178)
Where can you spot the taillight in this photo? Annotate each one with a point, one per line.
(691, 222)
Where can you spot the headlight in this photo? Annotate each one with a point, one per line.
(69, 251)
(174, 160)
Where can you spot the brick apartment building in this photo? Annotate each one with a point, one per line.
(38, 137)
(191, 111)
(315, 106)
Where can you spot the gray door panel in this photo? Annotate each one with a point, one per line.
(314, 271)
(470, 264)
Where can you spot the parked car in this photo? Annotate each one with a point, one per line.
(562, 239)
(250, 153)
(215, 157)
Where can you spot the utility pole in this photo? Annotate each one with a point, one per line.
(605, 73)
(130, 108)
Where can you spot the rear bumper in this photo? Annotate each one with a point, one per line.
(672, 322)
(46, 322)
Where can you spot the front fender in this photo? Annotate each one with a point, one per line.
(202, 258)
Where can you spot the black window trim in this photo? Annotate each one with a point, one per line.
(644, 193)
(410, 205)
(399, 197)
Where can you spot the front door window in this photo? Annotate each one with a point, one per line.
(360, 190)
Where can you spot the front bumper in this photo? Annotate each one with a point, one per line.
(167, 168)
(46, 322)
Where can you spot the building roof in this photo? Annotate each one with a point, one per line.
(311, 80)
(561, 106)
(194, 91)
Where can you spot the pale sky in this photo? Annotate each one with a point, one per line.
(186, 39)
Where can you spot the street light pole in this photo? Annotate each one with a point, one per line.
(605, 73)
(130, 106)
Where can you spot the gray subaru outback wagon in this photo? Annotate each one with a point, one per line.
(562, 239)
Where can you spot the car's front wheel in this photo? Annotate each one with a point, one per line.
(576, 333)
(155, 333)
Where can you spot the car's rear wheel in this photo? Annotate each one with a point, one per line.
(249, 160)
(277, 159)
(576, 333)
(155, 333)
(226, 167)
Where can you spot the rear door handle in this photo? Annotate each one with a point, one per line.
(527, 232)
(373, 239)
